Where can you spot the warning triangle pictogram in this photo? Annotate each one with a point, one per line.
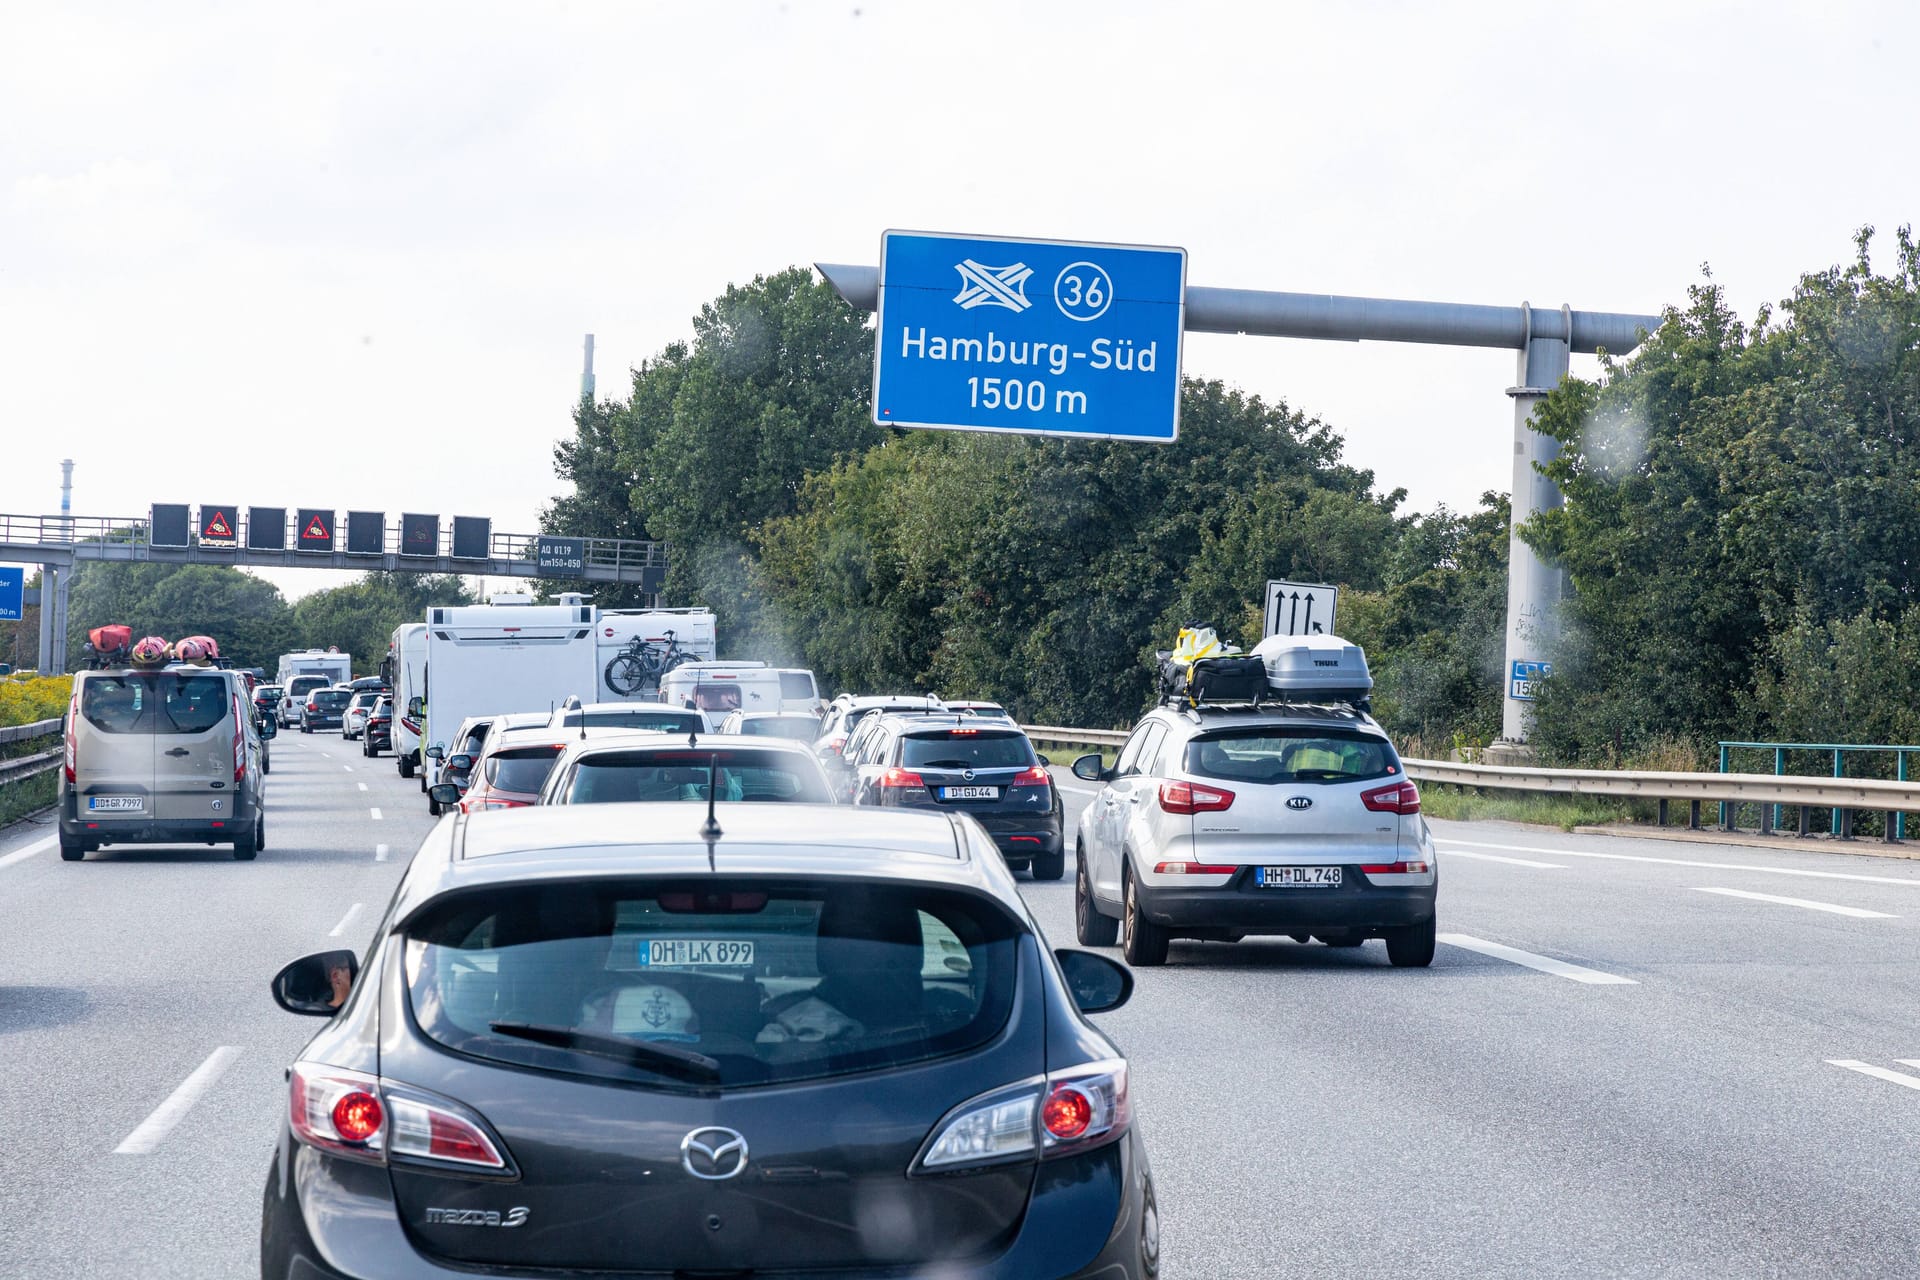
(316, 529)
(218, 526)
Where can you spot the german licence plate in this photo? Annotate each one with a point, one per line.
(115, 804)
(969, 793)
(1299, 878)
(695, 953)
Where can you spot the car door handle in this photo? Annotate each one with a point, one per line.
(179, 751)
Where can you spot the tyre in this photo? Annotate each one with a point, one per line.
(626, 675)
(266, 763)
(305, 727)
(1143, 941)
(1412, 947)
(260, 833)
(433, 808)
(1048, 866)
(247, 846)
(72, 850)
(1092, 928)
(405, 764)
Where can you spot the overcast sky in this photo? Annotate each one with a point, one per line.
(344, 255)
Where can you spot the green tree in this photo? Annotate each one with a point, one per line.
(359, 618)
(246, 615)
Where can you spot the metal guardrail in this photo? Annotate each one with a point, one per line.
(12, 771)
(26, 732)
(1844, 795)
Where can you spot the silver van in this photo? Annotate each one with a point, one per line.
(172, 756)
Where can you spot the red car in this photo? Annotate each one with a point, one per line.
(512, 769)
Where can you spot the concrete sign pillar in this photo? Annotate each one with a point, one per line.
(1533, 586)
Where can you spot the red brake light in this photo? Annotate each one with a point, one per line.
(1191, 797)
(962, 733)
(1037, 776)
(898, 777)
(1396, 868)
(1067, 1112)
(313, 706)
(357, 1116)
(1400, 797)
(73, 740)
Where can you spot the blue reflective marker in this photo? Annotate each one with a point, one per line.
(1038, 337)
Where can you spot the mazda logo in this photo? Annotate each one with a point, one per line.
(1299, 802)
(713, 1153)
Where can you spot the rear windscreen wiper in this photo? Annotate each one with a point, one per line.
(666, 1059)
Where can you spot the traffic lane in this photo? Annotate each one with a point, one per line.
(123, 974)
(1548, 1103)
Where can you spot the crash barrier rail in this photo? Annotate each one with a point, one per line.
(1845, 796)
(1837, 752)
(23, 769)
(26, 732)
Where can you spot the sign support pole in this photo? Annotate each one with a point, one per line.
(1533, 585)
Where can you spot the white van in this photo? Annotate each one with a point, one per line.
(717, 688)
(406, 672)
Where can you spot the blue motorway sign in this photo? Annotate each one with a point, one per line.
(13, 588)
(1524, 683)
(1045, 337)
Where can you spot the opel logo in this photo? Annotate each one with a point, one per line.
(966, 775)
(713, 1153)
(1299, 802)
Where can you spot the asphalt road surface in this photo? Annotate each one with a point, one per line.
(1630, 1058)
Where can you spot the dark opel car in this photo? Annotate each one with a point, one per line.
(609, 1039)
(325, 709)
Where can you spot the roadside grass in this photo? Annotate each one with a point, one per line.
(1065, 756)
(19, 799)
(1468, 804)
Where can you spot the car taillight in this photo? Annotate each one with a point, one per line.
(313, 706)
(1191, 797)
(1070, 1111)
(898, 777)
(73, 737)
(1193, 869)
(483, 803)
(239, 743)
(836, 742)
(361, 1117)
(1401, 797)
(1414, 868)
(1037, 776)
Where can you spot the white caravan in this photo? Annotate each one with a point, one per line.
(615, 630)
(717, 688)
(331, 663)
(406, 672)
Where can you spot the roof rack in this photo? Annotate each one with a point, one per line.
(1196, 712)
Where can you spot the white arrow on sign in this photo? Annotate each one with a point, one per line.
(1300, 608)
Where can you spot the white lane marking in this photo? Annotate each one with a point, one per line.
(376, 814)
(1685, 862)
(171, 1112)
(1545, 964)
(345, 920)
(1858, 913)
(1878, 1073)
(1908, 1062)
(347, 767)
(1512, 862)
(327, 754)
(361, 785)
(379, 853)
(41, 845)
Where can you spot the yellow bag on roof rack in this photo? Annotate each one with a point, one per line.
(1199, 642)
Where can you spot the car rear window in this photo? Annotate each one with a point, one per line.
(793, 728)
(1291, 755)
(965, 749)
(717, 697)
(163, 702)
(330, 699)
(521, 768)
(640, 721)
(741, 774)
(714, 983)
(797, 684)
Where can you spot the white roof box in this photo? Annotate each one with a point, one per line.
(1315, 668)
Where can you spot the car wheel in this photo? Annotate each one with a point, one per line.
(1092, 928)
(72, 850)
(305, 727)
(247, 846)
(405, 764)
(1411, 947)
(433, 808)
(1143, 941)
(260, 833)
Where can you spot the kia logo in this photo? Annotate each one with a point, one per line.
(1299, 802)
(713, 1153)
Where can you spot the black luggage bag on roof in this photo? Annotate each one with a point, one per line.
(1240, 679)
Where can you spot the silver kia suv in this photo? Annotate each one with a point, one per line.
(1222, 822)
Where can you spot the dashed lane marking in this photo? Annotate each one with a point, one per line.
(1684, 862)
(39, 846)
(377, 815)
(157, 1126)
(1545, 964)
(1858, 913)
(361, 785)
(379, 853)
(1879, 1073)
(1512, 862)
(345, 920)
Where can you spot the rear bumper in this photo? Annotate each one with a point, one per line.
(1240, 904)
(75, 825)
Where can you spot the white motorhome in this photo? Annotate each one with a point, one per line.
(690, 631)
(406, 672)
(717, 688)
(336, 666)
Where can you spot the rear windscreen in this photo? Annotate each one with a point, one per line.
(796, 728)
(796, 684)
(641, 721)
(965, 749)
(521, 768)
(164, 702)
(717, 697)
(1291, 755)
(740, 774)
(713, 983)
(330, 699)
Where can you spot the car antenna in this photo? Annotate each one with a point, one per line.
(710, 830)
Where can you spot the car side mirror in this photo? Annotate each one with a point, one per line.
(1097, 983)
(316, 985)
(436, 752)
(267, 727)
(461, 762)
(416, 705)
(444, 794)
(1089, 769)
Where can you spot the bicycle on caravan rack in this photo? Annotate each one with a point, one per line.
(638, 666)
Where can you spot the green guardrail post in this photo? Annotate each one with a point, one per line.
(1834, 829)
(1724, 806)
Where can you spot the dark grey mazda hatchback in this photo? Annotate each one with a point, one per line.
(617, 1040)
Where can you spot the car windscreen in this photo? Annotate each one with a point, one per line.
(965, 749)
(162, 702)
(793, 728)
(641, 721)
(1291, 755)
(740, 773)
(715, 983)
(330, 699)
(521, 768)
